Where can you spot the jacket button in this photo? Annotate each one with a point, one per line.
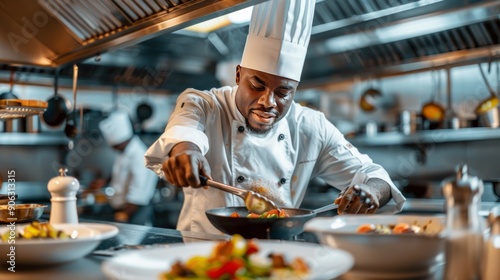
(241, 129)
(282, 181)
(281, 137)
(240, 179)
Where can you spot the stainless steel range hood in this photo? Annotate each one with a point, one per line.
(411, 36)
(133, 37)
(57, 32)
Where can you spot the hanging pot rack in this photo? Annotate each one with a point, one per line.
(20, 108)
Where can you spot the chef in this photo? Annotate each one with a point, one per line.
(254, 136)
(132, 183)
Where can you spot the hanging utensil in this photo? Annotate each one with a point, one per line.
(370, 99)
(71, 129)
(254, 202)
(57, 106)
(144, 111)
(487, 111)
(451, 119)
(489, 103)
(432, 110)
(10, 94)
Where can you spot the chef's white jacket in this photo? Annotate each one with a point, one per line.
(303, 145)
(131, 181)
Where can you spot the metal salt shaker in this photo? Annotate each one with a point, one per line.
(492, 248)
(63, 191)
(464, 229)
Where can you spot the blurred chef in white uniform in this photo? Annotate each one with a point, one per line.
(254, 136)
(132, 184)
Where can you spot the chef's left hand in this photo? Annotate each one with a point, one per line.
(357, 199)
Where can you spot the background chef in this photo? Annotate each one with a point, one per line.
(255, 136)
(132, 183)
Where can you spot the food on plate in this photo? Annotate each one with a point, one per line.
(398, 228)
(238, 258)
(37, 230)
(274, 213)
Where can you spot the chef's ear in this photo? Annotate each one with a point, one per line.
(238, 74)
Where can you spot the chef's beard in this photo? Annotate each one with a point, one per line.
(258, 131)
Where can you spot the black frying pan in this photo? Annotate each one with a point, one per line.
(262, 228)
(57, 108)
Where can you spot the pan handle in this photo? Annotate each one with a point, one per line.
(326, 208)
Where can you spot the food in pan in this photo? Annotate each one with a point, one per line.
(398, 228)
(238, 258)
(36, 230)
(274, 213)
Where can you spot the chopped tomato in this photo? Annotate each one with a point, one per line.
(401, 228)
(283, 214)
(232, 266)
(234, 215)
(273, 212)
(364, 228)
(215, 272)
(228, 268)
(251, 247)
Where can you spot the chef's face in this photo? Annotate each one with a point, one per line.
(263, 99)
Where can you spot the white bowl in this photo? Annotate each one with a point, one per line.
(374, 253)
(52, 251)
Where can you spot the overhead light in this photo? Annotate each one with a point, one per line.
(238, 17)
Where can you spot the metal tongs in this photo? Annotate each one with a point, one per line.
(254, 202)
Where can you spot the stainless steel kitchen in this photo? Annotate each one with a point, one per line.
(413, 85)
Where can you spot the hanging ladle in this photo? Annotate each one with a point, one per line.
(71, 129)
(489, 103)
(432, 110)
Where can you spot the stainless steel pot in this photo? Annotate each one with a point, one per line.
(22, 212)
(487, 110)
(489, 118)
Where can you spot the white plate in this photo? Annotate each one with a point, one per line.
(52, 251)
(324, 262)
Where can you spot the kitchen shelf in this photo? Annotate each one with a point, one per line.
(428, 136)
(27, 139)
(438, 206)
(20, 108)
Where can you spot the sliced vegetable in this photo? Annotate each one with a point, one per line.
(236, 259)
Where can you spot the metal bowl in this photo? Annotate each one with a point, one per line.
(21, 212)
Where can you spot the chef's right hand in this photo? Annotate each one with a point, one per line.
(184, 165)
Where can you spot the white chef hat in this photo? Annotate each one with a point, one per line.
(278, 37)
(116, 128)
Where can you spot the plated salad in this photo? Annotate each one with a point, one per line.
(238, 259)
